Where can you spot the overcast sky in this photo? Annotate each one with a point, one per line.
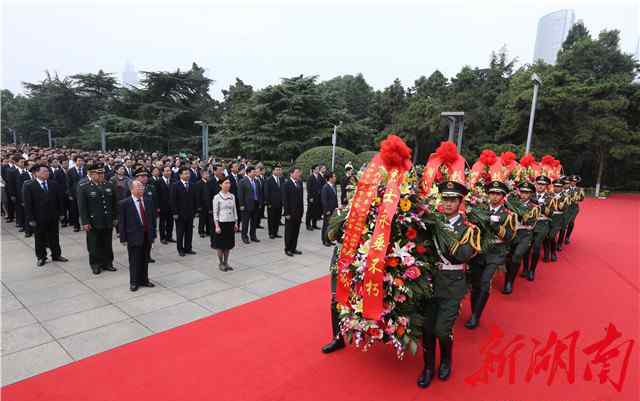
(260, 42)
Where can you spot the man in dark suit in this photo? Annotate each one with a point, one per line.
(260, 178)
(10, 175)
(249, 197)
(22, 176)
(203, 203)
(74, 175)
(315, 182)
(137, 227)
(293, 203)
(183, 207)
(329, 200)
(273, 200)
(163, 187)
(234, 179)
(43, 207)
(60, 177)
(194, 172)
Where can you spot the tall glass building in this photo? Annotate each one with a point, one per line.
(552, 31)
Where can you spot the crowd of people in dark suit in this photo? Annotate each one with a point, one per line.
(147, 195)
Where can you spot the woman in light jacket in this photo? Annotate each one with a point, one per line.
(225, 220)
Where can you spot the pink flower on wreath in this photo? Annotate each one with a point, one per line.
(412, 272)
(391, 328)
(400, 298)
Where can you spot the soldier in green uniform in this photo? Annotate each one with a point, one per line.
(577, 196)
(449, 285)
(566, 217)
(558, 206)
(520, 245)
(97, 207)
(484, 265)
(542, 198)
(151, 192)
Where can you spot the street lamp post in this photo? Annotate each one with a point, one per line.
(536, 85)
(334, 140)
(455, 118)
(49, 135)
(13, 135)
(205, 138)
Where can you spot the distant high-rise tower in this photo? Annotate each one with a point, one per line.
(552, 31)
(129, 75)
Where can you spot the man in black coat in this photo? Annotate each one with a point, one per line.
(273, 200)
(60, 177)
(234, 179)
(163, 188)
(329, 200)
(137, 228)
(203, 203)
(10, 175)
(43, 207)
(22, 176)
(249, 197)
(183, 207)
(293, 204)
(315, 182)
(74, 175)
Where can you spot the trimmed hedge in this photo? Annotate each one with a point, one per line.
(364, 157)
(322, 155)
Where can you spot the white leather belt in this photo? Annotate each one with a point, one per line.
(543, 218)
(444, 266)
(556, 212)
(499, 241)
(524, 228)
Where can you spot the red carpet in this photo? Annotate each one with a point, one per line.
(270, 349)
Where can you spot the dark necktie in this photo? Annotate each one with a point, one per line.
(44, 186)
(143, 216)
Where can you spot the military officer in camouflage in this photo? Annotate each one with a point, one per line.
(558, 206)
(484, 265)
(577, 196)
(449, 284)
(542, 198)
(97, 208)
(520, 245)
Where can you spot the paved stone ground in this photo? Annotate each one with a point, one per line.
(61, 312)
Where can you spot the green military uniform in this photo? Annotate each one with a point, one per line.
(558, 206)
(97, 207)
(540, 230)
(567, 215)
(577, 195)
(521, 243)
(484, 265)
(449, 287)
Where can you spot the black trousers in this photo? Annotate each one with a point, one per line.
(100, 247)
(325, 227)
(291, 232)
(138, 265)
(274, 215)
(47, 235)
(204, 222)
(11, 207)
(484, 266)
(19, 214)
(74, 216)
(166, 225)
(184, 232)
(314, 212)
(249, 223)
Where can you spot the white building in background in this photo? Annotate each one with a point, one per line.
(129, 75)
(553, 29)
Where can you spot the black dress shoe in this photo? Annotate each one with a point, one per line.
(278, 236)
(202, 235)
(309, 228)
(148, 284)
(181, 254)
(472, 323)
(316, 228)
(95, 269)
(288, 253)
(554, 258)
(190, 252)
(163, 242)
(246, 241)
(567, 242)
(28, 235)
(272, 236)
(531, 275)
(60, 259)
(296, 252)
(151, 260)
(64, 225)
(134, 288)
(20, 229)
(76, 229)
(41, 262)
(508, 289)
(425, 378)
(336, 344)
(171, 240)
(110, 268)
(255, 240)
(260, 227)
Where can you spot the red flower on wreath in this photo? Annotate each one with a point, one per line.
(393, 262)
(421, 249)
(411, 233)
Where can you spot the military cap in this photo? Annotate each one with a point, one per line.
(575, 178)
(348, 166)
(526, 187)
(95, 168)
(277, 165)
(558, 183)
(142, 171)
(452, 189)
(497, 186)
(544, 180)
